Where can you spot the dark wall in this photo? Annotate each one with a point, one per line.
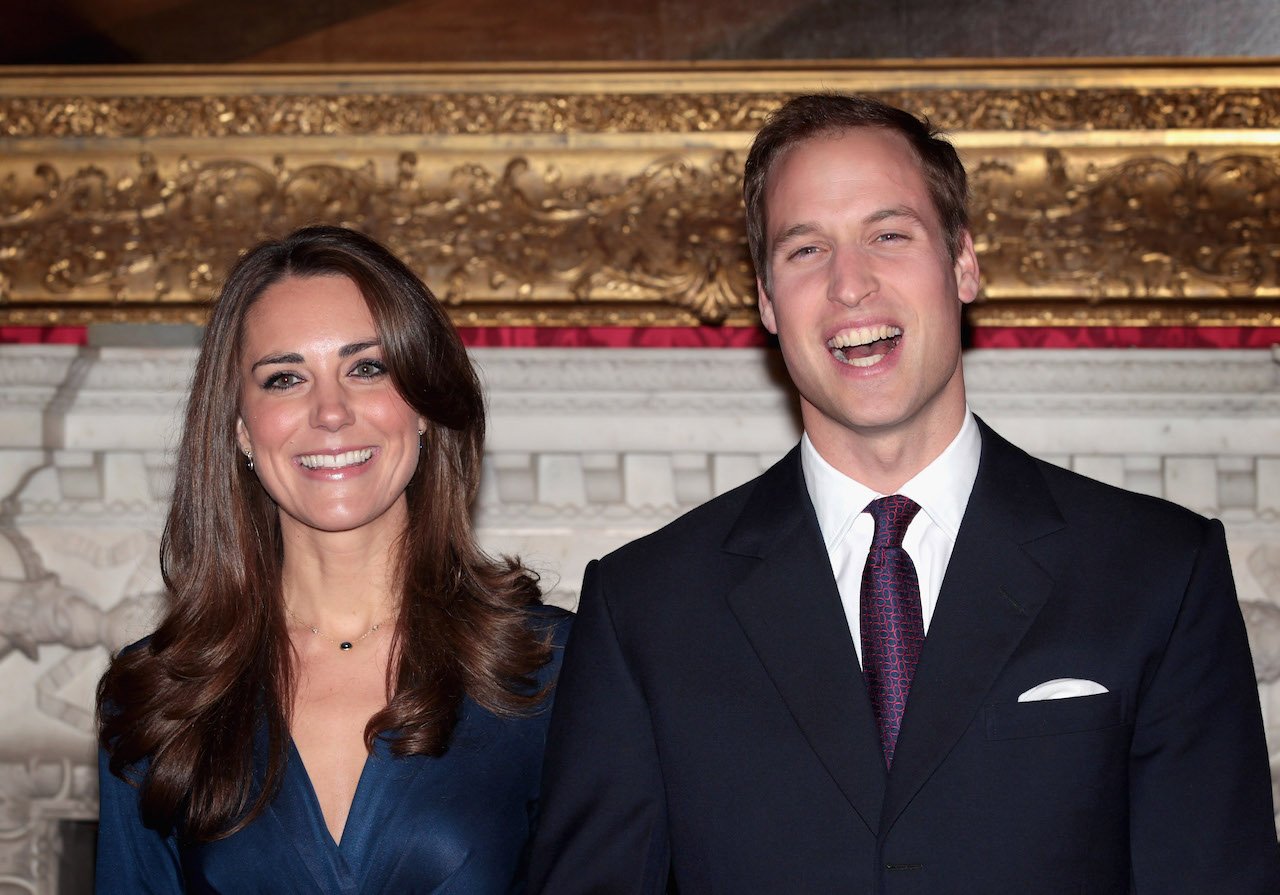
(994, 28)
(394, 31)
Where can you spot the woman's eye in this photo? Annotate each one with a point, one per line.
(282, 381)
(368, 369)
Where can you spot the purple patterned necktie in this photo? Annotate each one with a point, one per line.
(892, 626)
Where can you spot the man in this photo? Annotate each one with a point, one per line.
(1002, 678)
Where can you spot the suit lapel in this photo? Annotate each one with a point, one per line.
(991, 594)
(790, 610)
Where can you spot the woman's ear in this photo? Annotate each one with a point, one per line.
(242, 437)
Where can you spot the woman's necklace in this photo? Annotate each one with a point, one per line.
(343, 645)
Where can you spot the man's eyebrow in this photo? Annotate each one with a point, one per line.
(803, 229)
(794, 231)
(897, 211)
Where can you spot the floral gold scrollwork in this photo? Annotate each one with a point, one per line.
(451, 114)
(495, 113)
(611, 197)
(1152, 226)
(1095, 109)
(669, 233)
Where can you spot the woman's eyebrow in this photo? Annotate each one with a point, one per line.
(277, 359)
(294, 358)
(357, 347)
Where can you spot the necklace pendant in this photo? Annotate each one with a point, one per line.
(344, 645)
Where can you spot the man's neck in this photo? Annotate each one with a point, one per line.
(885, 459)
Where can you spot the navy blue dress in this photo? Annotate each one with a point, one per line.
(458, 824)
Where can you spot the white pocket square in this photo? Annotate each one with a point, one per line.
(1062, 688)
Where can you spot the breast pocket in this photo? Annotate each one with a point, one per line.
(1049, 717)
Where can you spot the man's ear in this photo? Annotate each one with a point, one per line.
(765, 304)
(968, 277)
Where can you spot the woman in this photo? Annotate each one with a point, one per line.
(345, 694)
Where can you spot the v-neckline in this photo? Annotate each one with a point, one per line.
(313, 800)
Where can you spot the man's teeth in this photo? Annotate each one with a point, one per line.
(869, 360)
(335, 461)
(863, 335)
(860, 337)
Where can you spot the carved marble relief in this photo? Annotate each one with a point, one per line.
(587, 449)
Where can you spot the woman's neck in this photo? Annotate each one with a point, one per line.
(341, 583)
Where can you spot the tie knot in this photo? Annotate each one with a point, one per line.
(892, 515)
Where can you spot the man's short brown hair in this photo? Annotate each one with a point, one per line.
(823, 114)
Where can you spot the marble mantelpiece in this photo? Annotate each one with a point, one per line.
(588, 448)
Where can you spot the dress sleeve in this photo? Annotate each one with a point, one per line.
(603, 825)
(132, 859)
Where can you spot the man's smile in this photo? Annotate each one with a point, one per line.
(864, 346)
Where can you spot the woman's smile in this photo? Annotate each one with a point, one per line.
(337, 461)
(334, 443)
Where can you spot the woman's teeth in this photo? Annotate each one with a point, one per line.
(336, 461)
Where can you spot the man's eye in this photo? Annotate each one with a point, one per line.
(282, 381)
(891, 237)
(803, 251)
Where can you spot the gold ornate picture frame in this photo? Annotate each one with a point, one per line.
(1124, 192)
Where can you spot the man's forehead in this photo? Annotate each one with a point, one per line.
(920, 206)
(888, 138)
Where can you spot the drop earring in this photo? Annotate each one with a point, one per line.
(421, 432)
(248, 456)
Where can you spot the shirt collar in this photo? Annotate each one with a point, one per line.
(941, 489)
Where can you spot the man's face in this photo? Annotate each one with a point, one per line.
(866, 300)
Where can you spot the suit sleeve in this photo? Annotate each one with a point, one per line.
(603, 826)
(132, 859)
(1200, 789)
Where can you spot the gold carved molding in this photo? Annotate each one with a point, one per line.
(1120, 193)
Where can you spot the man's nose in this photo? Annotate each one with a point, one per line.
(852, 277)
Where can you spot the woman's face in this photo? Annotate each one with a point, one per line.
(333, 442)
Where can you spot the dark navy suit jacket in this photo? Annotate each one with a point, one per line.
(712, 731)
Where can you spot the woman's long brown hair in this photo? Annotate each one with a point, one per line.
(179, 712)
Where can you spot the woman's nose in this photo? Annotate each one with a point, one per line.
(332, 408)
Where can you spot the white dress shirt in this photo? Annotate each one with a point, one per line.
(941, 489)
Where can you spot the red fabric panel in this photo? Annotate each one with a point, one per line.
(754, 336)
(49, 335)
(613, 336)
(1125, 337)
(983, 337)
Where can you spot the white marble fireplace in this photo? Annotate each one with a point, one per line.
(588, 449)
